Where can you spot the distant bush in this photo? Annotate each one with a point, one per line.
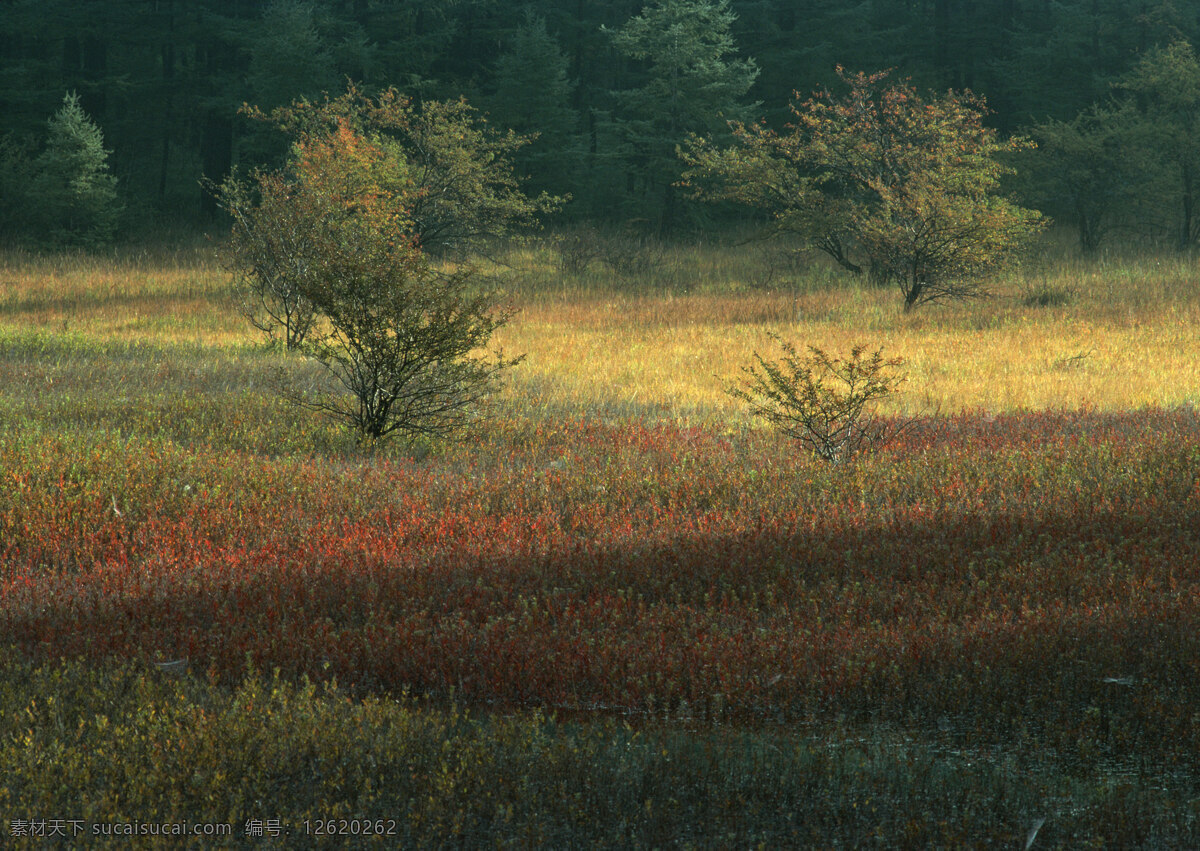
(577, 250)
(1046, 295)
(824, 402)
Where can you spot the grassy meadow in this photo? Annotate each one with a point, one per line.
(619, 613)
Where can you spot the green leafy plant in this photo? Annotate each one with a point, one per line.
(328, 249)
(883, 181)
(824, 402)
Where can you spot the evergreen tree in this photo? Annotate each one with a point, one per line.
(534, 63)
(288, 59)
(165, 79)
(1165, 86)
(692, 85)
(75, 196)
(1059, 60)
(16, 169)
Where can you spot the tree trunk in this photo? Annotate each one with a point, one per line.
(941, 35)
(666, 223)
(168, 81)
(216, 155)
(912, 293)
(95, 69)
(832, 246)
(1089, 239)
(1187, 213)
(216, 120)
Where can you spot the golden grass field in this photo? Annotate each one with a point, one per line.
(1126, 336)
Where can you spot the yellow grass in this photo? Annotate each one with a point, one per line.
(1127, 337)
(159, 297)
(1130, 336)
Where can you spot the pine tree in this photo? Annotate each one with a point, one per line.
(534, 63)
(16, 168)
(691, 86)
(288, 58)
(75, 196)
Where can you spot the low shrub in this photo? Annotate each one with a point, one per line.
(824, 402)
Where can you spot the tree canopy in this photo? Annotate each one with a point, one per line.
(618, 85)
(328, 253)
(883, 181)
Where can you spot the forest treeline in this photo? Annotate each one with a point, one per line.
(1109, 89)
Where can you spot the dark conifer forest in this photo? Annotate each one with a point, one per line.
(609, 88)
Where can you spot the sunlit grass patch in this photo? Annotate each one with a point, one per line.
(127, 296)
(1126, 339)
(680, 351)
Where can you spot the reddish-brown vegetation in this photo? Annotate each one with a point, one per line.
(993, 573)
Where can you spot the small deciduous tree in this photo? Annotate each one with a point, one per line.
(457, 182)
(826, 403)
(883, 181)
(333, 234)
(401, 337)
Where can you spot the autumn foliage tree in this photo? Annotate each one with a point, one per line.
(330, 249)
(882, 180)
(458, 185)
(284, 221)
